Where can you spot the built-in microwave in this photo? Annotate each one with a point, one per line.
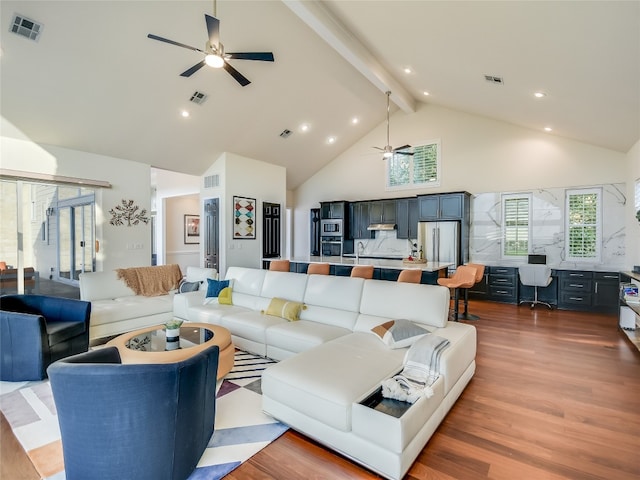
(331, 228)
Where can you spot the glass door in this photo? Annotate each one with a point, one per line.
(76, 247)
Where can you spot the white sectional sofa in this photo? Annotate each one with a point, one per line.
(116, 309)
(327, 383)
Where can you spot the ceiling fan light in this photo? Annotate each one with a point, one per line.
(214, 61)
(387, 155)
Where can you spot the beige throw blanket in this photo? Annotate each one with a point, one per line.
(151, 281)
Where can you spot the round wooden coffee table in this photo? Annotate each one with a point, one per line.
(150, 345)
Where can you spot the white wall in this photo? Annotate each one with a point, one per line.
(633, 225)
(129, 180)
(478, 155)
(245, 177)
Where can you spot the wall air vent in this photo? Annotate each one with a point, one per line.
(285, 133)
(212, 181)
(26, 27)
(198, 98)
(494, 79)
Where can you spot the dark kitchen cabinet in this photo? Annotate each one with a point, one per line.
(446, 206)
(575, 290)
(333, 210)
(585, 290)
(499, 284)
(606, 291)
(359, 220)
(407, 218)
(382, 211)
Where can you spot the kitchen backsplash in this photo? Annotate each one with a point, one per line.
(386, 244)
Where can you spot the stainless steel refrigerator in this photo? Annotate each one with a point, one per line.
(440, 241)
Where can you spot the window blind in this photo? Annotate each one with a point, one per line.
(583, 228)
(516, 226)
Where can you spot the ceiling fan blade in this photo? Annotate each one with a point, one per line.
(398, 151)
(379, 148)
(172, 42)
(213, 30)
(241, 79)
(192, 70)
(262, 56)
(402, 147)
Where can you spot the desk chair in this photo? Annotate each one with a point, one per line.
(279, 265)
(411, 275)
(318, 269)
(464, 277)
(362, 271)
(535, 276)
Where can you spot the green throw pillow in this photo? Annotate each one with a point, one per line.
(399, 333)
(286, 309)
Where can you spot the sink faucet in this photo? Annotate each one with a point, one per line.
(358, 248)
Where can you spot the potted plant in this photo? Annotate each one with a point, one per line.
(172, 328)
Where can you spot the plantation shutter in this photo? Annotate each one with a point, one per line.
(425, 163)
(583, 224)
(516, 226)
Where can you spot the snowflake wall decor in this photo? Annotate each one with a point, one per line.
(129, 213)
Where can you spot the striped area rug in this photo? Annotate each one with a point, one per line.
(241, 428)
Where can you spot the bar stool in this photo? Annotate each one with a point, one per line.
(479, 274)
(279, 265)
(318, 269)
(464, 277)
(362, 271)
(411, 275)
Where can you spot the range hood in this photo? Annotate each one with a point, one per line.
(382, 226)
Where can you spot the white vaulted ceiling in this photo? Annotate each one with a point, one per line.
(95, 82)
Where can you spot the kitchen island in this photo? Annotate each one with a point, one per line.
(383, 268)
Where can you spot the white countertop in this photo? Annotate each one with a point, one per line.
(376, 262)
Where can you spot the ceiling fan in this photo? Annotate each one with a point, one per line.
(388, 150)
(214, 54)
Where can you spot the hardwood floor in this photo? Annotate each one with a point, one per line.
(556, 395)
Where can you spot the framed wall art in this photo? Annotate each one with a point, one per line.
(192, 229)
(244, 218)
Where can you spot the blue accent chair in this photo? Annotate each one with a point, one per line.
(36, 330)
(134, 421)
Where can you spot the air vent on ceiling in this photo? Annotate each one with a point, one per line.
(26, 27)
(198, 98)
(212, 181)
(494, 79)
(285, 133)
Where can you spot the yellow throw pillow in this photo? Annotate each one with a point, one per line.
(224, 297)
(286, 309)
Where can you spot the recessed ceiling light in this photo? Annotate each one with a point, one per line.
(304, 127)
(426, 94)
(331, 140)
(548, 129)
(539, 94)
(407, 70)
(184, 113)
(355, 120)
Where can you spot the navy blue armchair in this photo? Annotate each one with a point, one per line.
(134, 421)
(36, 330)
